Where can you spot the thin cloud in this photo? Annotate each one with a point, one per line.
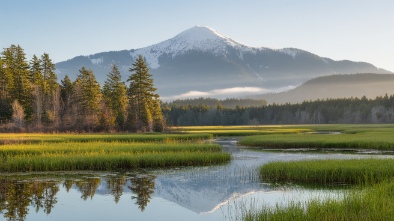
(221, 93)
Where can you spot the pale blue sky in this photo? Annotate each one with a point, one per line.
(358, 30)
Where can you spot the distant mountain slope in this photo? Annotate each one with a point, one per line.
(336, 86)
(201, 59)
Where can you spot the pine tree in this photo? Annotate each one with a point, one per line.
(87, 98)
(49, 75)
(115, 96)
(50, 89)
(144, 110)
(37, 81)
(18, 78)
(5, 101)
(66, 98)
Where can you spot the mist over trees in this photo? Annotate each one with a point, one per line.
(32, 100)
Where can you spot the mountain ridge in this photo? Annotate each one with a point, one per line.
(335, 86)
(202, 59)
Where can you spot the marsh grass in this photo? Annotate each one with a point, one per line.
(225, 131)
(370, 203)
(349, 171)
(373, 138)
(107, 156)
(60, 138)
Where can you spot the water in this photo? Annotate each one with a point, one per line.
(195, 194)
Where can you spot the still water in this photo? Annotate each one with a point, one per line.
(194, 194)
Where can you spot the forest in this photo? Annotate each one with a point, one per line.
(32, 100)
(328, 111)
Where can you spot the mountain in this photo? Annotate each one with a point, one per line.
(202, 59)
(335, 86)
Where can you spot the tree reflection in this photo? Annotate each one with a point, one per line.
(143, 187)
(115, 186)
(17, 196)
(88, 186)
(44, 195)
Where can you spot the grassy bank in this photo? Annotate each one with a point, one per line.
(351, 171)
(364, 137)
(373, 203)
(59, 138)
(71, 156)
(225, 131)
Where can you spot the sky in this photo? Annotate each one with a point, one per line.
(357, 30)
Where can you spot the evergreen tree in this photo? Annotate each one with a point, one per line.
(66, 92)
(35, 71)
(38, 85)
(144, 109)
(17, 78)
(5, 101)
(49, 75)
(50, 89)
(115, 96)
(87, 98)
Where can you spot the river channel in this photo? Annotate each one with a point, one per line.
(193, 194)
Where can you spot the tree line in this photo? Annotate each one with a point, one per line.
(31, 99)
(328, 111)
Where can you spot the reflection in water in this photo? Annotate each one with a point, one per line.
(88, 187)
(16, 195)
(115, 186)
(143, 187)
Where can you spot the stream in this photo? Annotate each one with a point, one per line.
(200, 193)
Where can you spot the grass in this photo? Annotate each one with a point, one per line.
(349, 171)
(61, 138)
(363, 137)
(225, 131)
(373, 203)
(74, 156)
(120, 161)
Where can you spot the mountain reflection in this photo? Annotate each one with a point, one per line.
(18, 196)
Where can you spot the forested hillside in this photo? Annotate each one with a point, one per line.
(349, 110)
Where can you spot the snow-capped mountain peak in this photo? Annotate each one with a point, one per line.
(199, 34)
(198, 38)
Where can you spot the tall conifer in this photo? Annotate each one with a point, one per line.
(143, 101)
(115, 96)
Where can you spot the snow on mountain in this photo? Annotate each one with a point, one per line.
(198, 38)
(290, 51)
(97, 60)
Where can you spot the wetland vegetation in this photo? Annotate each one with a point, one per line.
(69, 152)
(371, 196)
